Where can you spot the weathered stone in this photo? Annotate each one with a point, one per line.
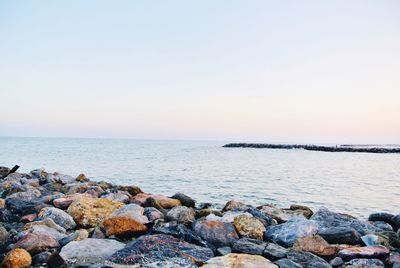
(65, 201)
(126, 222)
(282, 215)
(46, 227)
(160, 250)
(340, 235)
(233, 204)
(181, 214)
(389, 239)
(378, 252)
(249, 246)
(23, 207)
(307, 259)
(301, 209)
(274, 252)
(155, 200)
(186, 201)
(364, 263)
(217, 233)
(82, 178)
(60, 178)
(234, 260)
(90, 212)
(17, 258)
(89, 251)
(370, 240)
(58, 216)
(248, 226)
(316, 245)
(34, 243)
(153, 214)
(286, 234)
(119, 196)
(56, 261)
(207, 211)
(286, 263)
(381, 226)
(78, 235)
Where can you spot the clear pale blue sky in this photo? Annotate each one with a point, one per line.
(276, 71)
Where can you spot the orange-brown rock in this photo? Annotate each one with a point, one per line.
(17, 258)
(123, 227)
(2, 203)
(81, 178)
(316, 245)
(155, 200)
(34, 243)
(90, 212)
(248, 226)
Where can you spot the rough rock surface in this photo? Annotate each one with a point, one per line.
(181, 214)
(378, 252)
(316, 245)
(364, 263)
(17, 258)
(307, 259)
(233, 260)
(248, 226)
(217, 233)
(59, 216)
(155, 200)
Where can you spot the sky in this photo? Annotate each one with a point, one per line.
(268, 71)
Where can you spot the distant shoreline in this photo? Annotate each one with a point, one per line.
(341, 148)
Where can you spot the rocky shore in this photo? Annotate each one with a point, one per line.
(342, 148)
(56, 220)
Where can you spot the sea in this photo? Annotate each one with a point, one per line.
(353, 183)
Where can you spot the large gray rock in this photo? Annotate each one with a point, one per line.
(161, 251)
(307, 259)
(181, 214)
(89, 251)
(286, 263)
(340, 235)
(287, 233)
(274, 252)
(59, 216)
(249, 246)
(217, 233)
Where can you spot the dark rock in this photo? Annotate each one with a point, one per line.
(340, 235)
(186, 201)
(41, 258)
(372, 252)
(55, 261)
(249, 246)
(381, 216)
(233, 204)
(265, 219)
(307, 259)
(4, 171)
(286, 263)
(132, 190)
(389, 239)
(75, 236)
(4, 239)
(58, 216)
(217, 233)
(7, 216)
(161, 249)
(24, 207)
(394, 260)
(223, 251)
(274, 252)
(207, 211)
(364, 263)
(286, 234)
(382, 226)
(336, 262)
(396, 222)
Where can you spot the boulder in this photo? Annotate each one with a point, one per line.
(307, 259)
(395, 222)
(23, 207)
(274, 252)
(381, 216)
(4, 171)
(286, 234)
(234, 260)
(316, 245)
(153, 214)
(248, 226)
(161, 251)
(371, 252)
(276, 213)
(118, 196)
(89, 251)
(340, 235)
(127, 221)
(81, 178)
(65, 201)
(186, 201)
(59, 216)
(45, 227)
(217, 233)
(17, 258)
(207, 211)
(155, 200)
(249, 246)
(364, 263)
(90, 212)
(181, 214)
(34, 243)
(233, 204)
(131, 189)
(286, 263)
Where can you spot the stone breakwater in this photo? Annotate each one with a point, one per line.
(344, 148)
(56, 220)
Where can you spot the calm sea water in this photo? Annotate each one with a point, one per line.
(356, 183)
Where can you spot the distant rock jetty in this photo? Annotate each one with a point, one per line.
(342, 148)
(56, 220)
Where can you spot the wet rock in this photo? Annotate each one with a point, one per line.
(59, 216)
(327, 219)
(265, 219)
(248, 226)
(316, 245)
(161, 250)
(186, 201)
(377, 252)
(286, 234)
(127, 221)
(364, 263)
(155, 200)
(7, 216)
(217, 233)
(179, 231)
(153, 214)
(335, 262)
(249, 246)
(17, 258)
(78, 235)
(340, 235)
(307, 259)
(89, 251)
(34, 243)
(181, 214)
(234, 260)
(274, 252)
(286, 263)
(90, 212)
(233, 204)
(223, 251)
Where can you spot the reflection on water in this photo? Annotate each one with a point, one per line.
(357, 183)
